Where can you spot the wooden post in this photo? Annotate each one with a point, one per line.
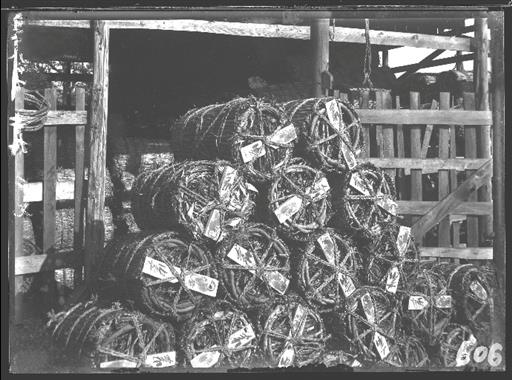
(443, 234)
(388, 134)
(365, 103)
(320, 44)
(400, 152)
(481, 82)
(498, 188)
(416, 175)
(94, 228)
(79, 182)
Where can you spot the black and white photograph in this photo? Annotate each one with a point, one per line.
(255, 189)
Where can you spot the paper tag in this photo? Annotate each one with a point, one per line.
(158, 269)
(333, 113)
(356, 363)
(381, 344)
(387, 204)
(284, 135)
(346, 284)
(252, 188)
(277, 281)
(222, 315)
(348, 155)
(252, 151)
(205, 359)
(403, 239)
(417, 303)
(319, 189)
(443, 302)
(392, 280)
(161, 360)
(212, 229)
(241, 337)
(201, 284)
(298, 320)
(242, 256)
(369, 309)
(288, 208)
(123, 363)
(329, 247)
(464, 351)
(359, 184)
(287, 356)
(477, 288)
(227, 181)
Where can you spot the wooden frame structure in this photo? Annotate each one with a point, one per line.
(478, 165)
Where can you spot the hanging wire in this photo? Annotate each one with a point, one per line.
(367, 82)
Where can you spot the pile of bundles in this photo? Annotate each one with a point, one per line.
(268, 245)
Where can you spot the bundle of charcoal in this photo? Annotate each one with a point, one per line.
(206, 198)
(364, 199)
(219, 336)
(374, 323)
(328, 270)
(330, 130)
(427, 305)
(254, 266)
(300, 201)
(165, 274)
(293, 334)
(247, 131)
(111, 336)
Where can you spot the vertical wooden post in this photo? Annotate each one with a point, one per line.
(388, 136)
(498, 188)
(400, 152)
(320, 44)
(79, 182)
(385, 58)
(481, 81)
(416, 174)
(365, 103)
(453, 181)
(94, 228)
(443, 233)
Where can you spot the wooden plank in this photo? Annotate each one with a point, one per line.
(379, 104)
(457, 253)
(46, 263)
(388, 134)
(66, 118)
(94, 228)
(443, 187)
(49, 177)
(428, 133)
(428, 165)
(78, 225)
(453, 183)
(416, 174)
(433, 63)
(465, 208)
(320, 52)
(413, 117)
(470, 152)
(400, 152)
(341, 34)
(446, 205)
(365, 103)
(18, 172)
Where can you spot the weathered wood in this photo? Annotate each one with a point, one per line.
(454, 184)
(428, 165)
(70, 118)
(443, 187)
(428, 133)
(365, 103)
(49, 177)
(416, 174)
(379, 104)
(446, 205)
(481, 82)
(400, 152)
(465, 208)
(18, 162)
(470, 152)
(388, 134)
(320, 53)
(457, 253)
(46, 263)
(498, 189)
(94, 229)
(433, 63)
(78, 226)
(415, 116)
(341, 34)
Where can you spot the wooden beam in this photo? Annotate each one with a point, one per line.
(432, 63)
(446, 205)
(341, 34)
(50, 178)
(428, 165)
(443, 185)
(66, 118)
(475, 253)
(94, 229)
(78, 225)
(46, 263)
(465, 208)
(63, 77)
(320, 53)
(413, 116)
(416, 174)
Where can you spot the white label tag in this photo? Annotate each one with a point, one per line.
(241, 337)
(403, 239)
(387, 204)
(123, 363)
(287, 356)
(205, 359)
(252, 151)
(417, 303)
(477, 288)
(392, 280)
(349, 157)
(333, 113)
(346, 284)
(464, 351)
(252, 188)
(359, 183)
(381, 344)
(284, 135)
(212, 229)
(222, 315)
(161, 360)
(277, 281)
(443, 302)
(319, 189)
(328, 246)
(158, 269)
(356, 363)
(201, 284)
(288, 208)
(368, 308)
(298, 320)
(242, 256)
(227, 181)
